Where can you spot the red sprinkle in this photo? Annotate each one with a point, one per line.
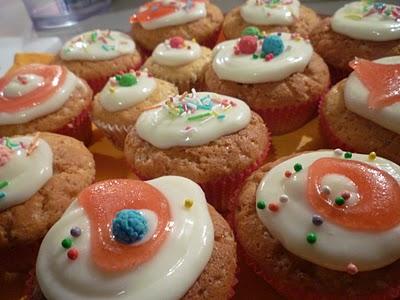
(346, 195)
(73, 253)
(248, 44)
(273, 207)
(269, 57)
(177, 42)
(288, 174)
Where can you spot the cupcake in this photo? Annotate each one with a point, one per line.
(39, 174)
(270, 16)
(323, 225)
(181, 62)
(45, 98)
(117, 107)
(99, 54)
(128, 239)
(279, 76)
(158, 20)
(211, 139)
(362, 113)
(364, 29)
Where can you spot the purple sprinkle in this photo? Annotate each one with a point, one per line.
(75, 231)
(317, 220)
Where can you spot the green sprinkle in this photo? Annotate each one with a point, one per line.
(3, 184)
(251, 31)
(262, 55)
(199, 117)
(298, 167)
(10, 144)
(66, 243)
(261, 205)
(311, 237)
(126, 80)
(348, 155)
(339, 201)
(255, 56)
(93, 36)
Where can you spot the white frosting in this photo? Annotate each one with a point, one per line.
(165, 55)
(98, 45)
(163, 130)
(182, 15)
(168, 275)
(336, 246)
(25, 174)
(263, 12)
(353, 21)
(356, 100)
(115, 98)
(243, 68)
(52, 104)
(16, 89)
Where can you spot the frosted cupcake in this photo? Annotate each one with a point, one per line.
(270, 16)
(323, 225)
(99, 54)
(279, 76)
(362, 113)
(211, 139)
(181, 62)
(364, 29)
(159, 20)
(45, 98)
(38, 176)
(117, 107)
(127, 239)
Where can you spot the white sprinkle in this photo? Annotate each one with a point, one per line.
(338, 152)
(326, 190)
(284, 198)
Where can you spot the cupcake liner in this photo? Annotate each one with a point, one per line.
(79, 128)
(20, 258)
(337, 74)
(115, 133)
(212, 39)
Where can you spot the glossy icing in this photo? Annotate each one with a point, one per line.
(26, 165)
(357, 97)
(366, 20)
(115, 97)
(192, 120)
(98, 45)
(251, 68)
(178, 263)
(164, 13)
(166, 55)
(269, 12)
(34, 91)
(344, 234)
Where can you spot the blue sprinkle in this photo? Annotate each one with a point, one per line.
(273, 44)
(2, 195)
(129, 226)
(379, 6)
(221, 117)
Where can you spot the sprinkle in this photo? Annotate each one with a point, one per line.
(351, 269)
(311, 238)
(221, 117)
(126, 80)
(338, 152)
(261, 205)
(288, 174)
(73, 254)
(317, 220)
(22, 79)
(2, 195)
(199, 117)
(269, 57)
(93, 36)
(284, 198)
(33, 145)
(3, 184)
(66, 243)
(339, 201)
(348, 155)
(326, 190)
(372, 156)
(188, 203)
(129, 226)
(346, 195)
(75, 231)
(298, 167)
(273, 207)
(152, 107)
(255, 56)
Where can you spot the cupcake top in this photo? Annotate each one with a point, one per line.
(260, 58)
(128, 239)
(335, 209)
(164, 13)
(373, 91)
(270, 12)
(368, 20)
(176, 52)
(192, 120)
(26, 164)
(34, 91)
(126, 90)
(98, 45)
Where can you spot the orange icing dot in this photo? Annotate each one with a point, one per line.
(381, 80)
(54, 77)
(378, 207)
(102, 201)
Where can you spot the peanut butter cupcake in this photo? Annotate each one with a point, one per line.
(138, 245)
(270, 16)
(211, 139)
(117, 107)
(45, 98)
(99, 54)
(159, 20)
(38, 177)
(181, 62)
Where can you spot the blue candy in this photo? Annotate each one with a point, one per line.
(129, 226)
(273, 44)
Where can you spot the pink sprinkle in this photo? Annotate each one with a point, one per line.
(102, 38)
(346, 195)
(22, 79)
(5, 155)
(352, 269)
(233, 103)
(269, 57)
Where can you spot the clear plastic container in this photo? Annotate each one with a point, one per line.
(46, 14)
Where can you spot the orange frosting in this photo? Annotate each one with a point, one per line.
(378, 207)
(381, 80)
(54, 77)
(102, 201)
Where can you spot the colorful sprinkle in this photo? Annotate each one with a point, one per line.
(129, 226)
(188, 203)
(261, 205)
(348, 155)
(73, 254)
(288, 174)
(248, 44)
(75, 231)
(372, 156)
(66, 243)
(339, 201)
(126, 80)
(273, 207)
(351, 269)
(298, 167)
(284, 198)
(311, 238)
(3, 184)
(346, 195)
(338, 152)
(317, 220)
(93, 36)
(326, 190)
(2, 195)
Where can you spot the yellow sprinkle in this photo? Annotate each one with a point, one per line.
(372, 156)
(112, 89)
(188, 203)
(194, 40)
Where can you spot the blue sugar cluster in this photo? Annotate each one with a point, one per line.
(129, 226)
